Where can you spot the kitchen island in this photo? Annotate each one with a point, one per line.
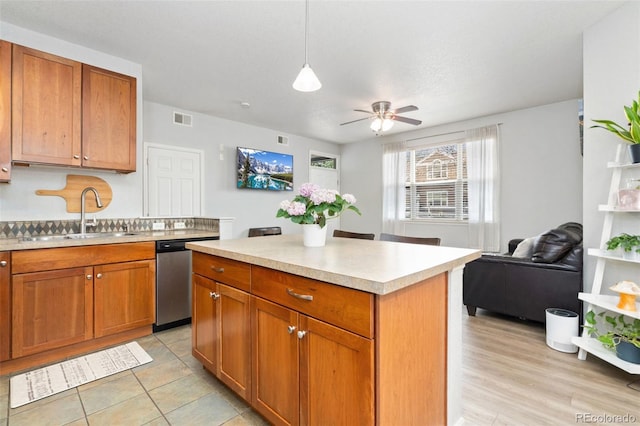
(356, 332)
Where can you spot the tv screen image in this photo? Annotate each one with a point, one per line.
(259, 169)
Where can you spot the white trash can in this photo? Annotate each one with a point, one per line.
(562, 325)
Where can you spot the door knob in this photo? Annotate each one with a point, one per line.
(3, 263)
(99, 276)
(89, 276)
(301, 334)
(214, 295)
(291, 329)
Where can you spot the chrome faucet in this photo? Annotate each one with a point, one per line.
(83, 220)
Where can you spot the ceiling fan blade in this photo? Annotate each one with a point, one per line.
(359, 119)
(366, 112)
(406, 120)
(405, 109)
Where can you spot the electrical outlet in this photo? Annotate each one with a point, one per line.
(179, 225)
(157, 226)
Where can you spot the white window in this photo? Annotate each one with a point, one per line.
(436, 182)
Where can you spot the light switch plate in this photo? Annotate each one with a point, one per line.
(179, 225)
(157, 226)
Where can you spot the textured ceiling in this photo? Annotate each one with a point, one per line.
(453, 59)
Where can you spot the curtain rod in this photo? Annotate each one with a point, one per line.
(445, 134)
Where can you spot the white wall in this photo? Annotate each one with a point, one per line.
(18, 200)
(611, 80)
(250, 208)
(541, 168)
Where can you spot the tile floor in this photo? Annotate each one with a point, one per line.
(173, 389)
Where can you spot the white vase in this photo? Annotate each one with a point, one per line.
(313, 235)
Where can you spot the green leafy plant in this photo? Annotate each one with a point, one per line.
(620, 329)
(626, 242)
(631, 132)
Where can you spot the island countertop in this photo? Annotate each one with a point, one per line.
(378, 267)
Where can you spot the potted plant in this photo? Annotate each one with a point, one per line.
(623, 334)
(629, 133)
(629, 244)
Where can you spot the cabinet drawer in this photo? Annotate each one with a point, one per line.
(227, 271)
(343, 307)
(71, 257)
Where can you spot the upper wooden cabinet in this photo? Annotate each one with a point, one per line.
(5, 111)
(108, 120)
(70, 114)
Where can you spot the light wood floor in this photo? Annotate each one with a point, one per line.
(511, 377)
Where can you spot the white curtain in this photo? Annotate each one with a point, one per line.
(484, 188)
(393, 180)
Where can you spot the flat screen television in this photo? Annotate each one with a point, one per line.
(266, 170)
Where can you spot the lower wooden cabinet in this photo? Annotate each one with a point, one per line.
(221, 324)
(5, 305)
(51, 309)
(307, 371)
(124, 296)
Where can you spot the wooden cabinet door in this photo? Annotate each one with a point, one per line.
(5, 306)
(51, 309)
(204, 333)
(234, 325)
(46, 108)
(124, 296)
(5, 113)
(108, 120)
(336, 376)
(275, 378)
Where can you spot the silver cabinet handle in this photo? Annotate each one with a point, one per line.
(216, 269)
(99, 276)
(301, 334)
(214, 295)
(3, 263)
(76, 157)
(290, 292)
(89, 276)
(291, 329)
(86, 157)
(4, 169)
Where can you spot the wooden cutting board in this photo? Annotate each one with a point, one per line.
(72, 193)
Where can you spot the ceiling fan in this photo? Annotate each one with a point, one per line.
(383, 116)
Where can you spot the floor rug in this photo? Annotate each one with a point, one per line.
(46, 381)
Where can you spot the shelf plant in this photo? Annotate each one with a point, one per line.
(620, 330)
(629, 133)
(630, 244)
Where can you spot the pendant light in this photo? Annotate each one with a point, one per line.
(306, 80)
(381, 124)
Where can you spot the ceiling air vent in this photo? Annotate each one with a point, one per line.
(283, 140)
(182, 119)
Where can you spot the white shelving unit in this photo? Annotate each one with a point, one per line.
(595, 299)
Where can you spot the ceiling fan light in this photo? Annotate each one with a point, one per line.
(376, 124)
(387, 124)
(307, 81)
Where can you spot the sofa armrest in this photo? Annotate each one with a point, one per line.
(526, 263)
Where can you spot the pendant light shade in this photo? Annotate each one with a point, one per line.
(379, 124)
(307, 81)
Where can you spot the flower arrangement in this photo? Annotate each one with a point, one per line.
(315, 205)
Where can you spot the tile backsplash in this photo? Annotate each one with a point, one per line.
(19, 229)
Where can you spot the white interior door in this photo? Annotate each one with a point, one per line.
(324, 171)
(174, 184)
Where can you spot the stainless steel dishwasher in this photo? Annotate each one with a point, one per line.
(173, 283)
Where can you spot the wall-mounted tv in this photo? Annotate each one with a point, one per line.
(259, 169)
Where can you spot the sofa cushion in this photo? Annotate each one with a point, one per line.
(525, 248)
(554, 245)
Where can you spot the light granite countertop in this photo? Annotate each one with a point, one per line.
(378, 267)
(13, 244)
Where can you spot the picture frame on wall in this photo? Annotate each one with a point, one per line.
(264, 170)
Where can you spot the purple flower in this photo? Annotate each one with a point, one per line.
(284, 205)
(296, 209)
(306, 189)
(349, 198)
(323, 196)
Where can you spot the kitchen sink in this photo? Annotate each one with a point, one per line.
(78, 236)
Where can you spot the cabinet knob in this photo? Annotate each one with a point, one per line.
(291, 329)
(214, 295)
(217, 269)
(86, 157)
(76, 157)
(89, 276)
(98, 276)
(3, 263)
(301, 334)
(4, 169)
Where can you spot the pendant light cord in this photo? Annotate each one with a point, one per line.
(306, 30)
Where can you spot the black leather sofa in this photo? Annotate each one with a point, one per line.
(525, 287)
